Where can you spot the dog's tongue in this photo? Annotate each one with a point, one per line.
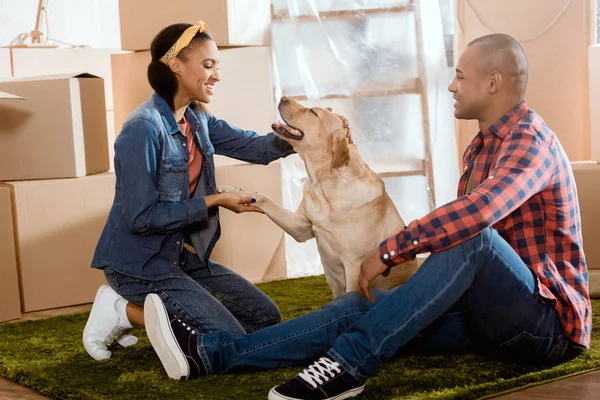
(291, 131)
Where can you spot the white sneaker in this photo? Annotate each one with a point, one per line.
(105, 325)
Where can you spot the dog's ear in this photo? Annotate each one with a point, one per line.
(341, 153)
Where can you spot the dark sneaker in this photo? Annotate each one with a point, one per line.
(323, 380)
(174, 341)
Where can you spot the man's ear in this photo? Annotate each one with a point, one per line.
(341, 152)
(495, 81)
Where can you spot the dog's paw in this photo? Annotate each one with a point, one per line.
(259, 198)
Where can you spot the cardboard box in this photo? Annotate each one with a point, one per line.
(28, 62)
(251, 244)
(231, 22)
(130, 84)
(58, 132)
(587, 176)
(594, 81)
(9, 283)
(110, 124)
(244, 97)
(5, 63)
(594, 283)
(57, 225)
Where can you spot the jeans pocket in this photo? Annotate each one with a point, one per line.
(530, 348)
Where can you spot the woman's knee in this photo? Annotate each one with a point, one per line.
(272, 315)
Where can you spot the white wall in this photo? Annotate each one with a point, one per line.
(93, 23)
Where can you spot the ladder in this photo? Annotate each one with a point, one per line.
(416, 85)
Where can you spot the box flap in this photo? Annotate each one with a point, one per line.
(4, 95)
(51, 77)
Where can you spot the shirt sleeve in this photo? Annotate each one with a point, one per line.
(246, 145)
(524, 167)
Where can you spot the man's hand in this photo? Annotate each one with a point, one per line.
(370, 269)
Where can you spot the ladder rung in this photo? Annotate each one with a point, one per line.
(341, 14)
(395, 174)
(397, 168)
(411, 86)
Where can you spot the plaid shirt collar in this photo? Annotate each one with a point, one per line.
(504, 124)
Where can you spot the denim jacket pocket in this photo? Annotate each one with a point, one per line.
(531, 348)
(172, 179)
(112, 277)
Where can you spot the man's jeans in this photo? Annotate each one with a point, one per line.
(477, 295)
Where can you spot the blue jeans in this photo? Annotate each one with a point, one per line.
(211, 300)
(477, 295)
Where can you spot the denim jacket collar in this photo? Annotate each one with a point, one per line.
(169, 118)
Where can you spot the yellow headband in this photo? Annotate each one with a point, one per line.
(183, 41)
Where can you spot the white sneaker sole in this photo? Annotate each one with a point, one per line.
(90, 347)
(163, 339)
(273, 395)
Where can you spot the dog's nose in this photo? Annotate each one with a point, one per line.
(284, 99)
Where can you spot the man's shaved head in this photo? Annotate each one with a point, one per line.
(491, 78)
(502, 53)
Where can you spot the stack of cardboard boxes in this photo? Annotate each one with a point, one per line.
(55, 192)
(250, 243)
(587, 176)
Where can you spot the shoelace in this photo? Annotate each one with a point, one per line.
(320, 371)
(115, 330)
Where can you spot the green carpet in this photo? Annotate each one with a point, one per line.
(47, 355)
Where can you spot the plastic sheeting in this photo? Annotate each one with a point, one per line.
(358, 60)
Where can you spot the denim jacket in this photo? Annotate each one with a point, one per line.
(152, 208)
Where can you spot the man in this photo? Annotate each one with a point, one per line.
(506, 275)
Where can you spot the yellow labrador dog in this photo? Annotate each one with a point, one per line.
(344, 206)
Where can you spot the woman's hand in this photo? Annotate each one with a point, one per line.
(233, 202)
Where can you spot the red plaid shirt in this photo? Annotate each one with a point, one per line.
(524, 188)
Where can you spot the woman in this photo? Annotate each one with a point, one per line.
(165, 198)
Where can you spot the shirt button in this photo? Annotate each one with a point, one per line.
(186, 159)
(491, 177)
(467, 167)
(178, 243)
(392, 253)
(184, 144)
(415, 242)
(386, 256)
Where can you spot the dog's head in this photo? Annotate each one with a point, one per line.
(317, 134)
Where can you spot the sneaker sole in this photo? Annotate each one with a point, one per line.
(158, 328)
(273, 395)
(92, 318)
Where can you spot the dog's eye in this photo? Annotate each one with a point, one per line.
(312, 110)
